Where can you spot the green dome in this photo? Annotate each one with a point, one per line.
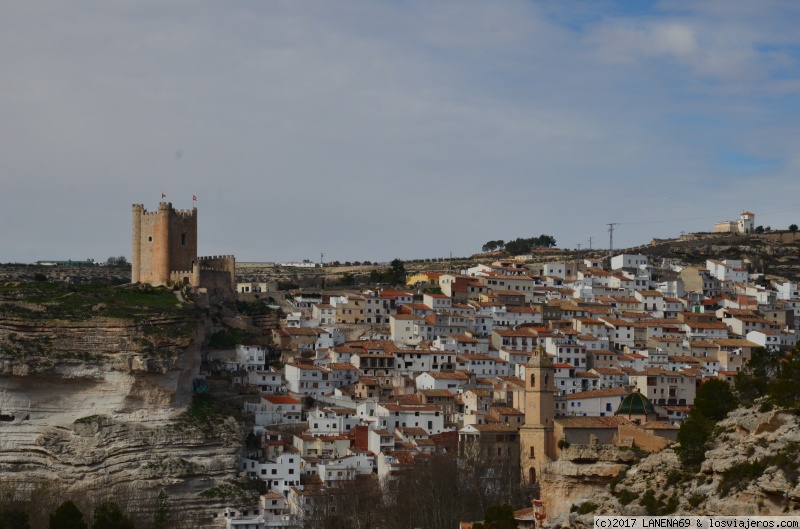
(635, 404)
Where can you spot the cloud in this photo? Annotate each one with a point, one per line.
(371, 131)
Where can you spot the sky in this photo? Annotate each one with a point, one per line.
(408, 129)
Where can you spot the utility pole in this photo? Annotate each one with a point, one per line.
(590, 242)
(322, 259)
(611, 240)
(579, 247)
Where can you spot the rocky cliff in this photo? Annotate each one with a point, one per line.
(751, 469)
(96, 398)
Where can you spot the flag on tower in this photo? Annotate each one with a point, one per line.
(194, 198)
(163, 195)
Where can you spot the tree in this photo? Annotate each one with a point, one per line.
(347, 279)
(759, 229)
(784, 391)
(498, 517)
(14, 518)
(752, 381)
(163, 511)
(792, 228)
(108, 515)
(398, 271)
(715, 399)
(693, 439)
(67, 516)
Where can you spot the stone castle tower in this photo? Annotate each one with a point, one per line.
(165, 251)
(163, 241)
(537, 434)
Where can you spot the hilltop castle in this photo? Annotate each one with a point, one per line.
(165, 251)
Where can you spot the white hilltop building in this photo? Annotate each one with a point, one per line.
(745, 224)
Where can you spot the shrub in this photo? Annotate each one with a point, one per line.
(625, 496)
(584, 508)
(696, 499)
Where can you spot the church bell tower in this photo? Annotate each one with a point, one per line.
(537, 435)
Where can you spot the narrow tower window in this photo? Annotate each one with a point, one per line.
(150, 239)
(183, 239)
(533, 381)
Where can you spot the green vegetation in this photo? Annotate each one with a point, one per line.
(625, 496)
(696, 499)
(713, 402)
(395, 274)
(205, 413)
(522, 246)
(584, 508)
(67, 516)
(773, 374)
(108, 515)
(47, 300)
(715, 399)
(659, 506)
(738, 476)
(497, 517)
(229, 339)
(14, 518)
(91, 419)
(256, 308)
(162, 516)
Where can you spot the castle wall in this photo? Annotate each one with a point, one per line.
(225, 263)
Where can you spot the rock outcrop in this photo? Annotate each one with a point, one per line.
(103, 406)
(751, 469)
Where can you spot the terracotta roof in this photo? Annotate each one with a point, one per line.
(598, 393)
(280, 399)
(493, 427)
(455, 375)
(591, 422)
(655, 425)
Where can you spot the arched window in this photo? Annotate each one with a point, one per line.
(533, 380)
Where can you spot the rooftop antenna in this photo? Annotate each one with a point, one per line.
(611, 239)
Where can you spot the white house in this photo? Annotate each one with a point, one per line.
(270, 382)
(277, 409)
(280, 474)
(346, 467)
(628, 261)
(332, 421)
(248, 358)
(392, 416)
(450, 381)
(596, 403)
(307, 379)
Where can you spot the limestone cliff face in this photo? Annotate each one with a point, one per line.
(724, 485)
(96, 405)
(579, 473)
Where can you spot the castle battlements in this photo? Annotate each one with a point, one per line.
(164, 208)
(165, 251)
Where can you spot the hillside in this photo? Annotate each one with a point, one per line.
(96, 401)
(751, 469)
